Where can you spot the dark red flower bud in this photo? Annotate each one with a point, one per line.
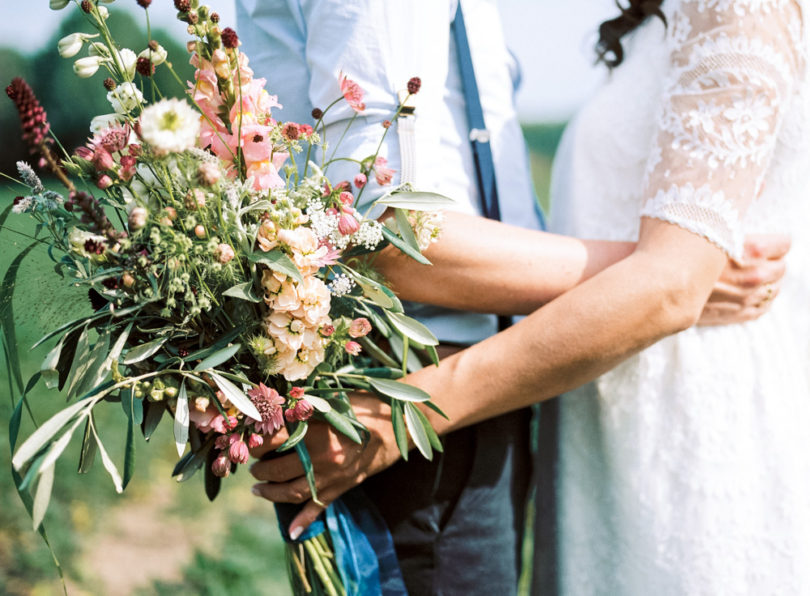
(145, 67)
(214, 17)
(144, 3)
(386, 124)
(87, 6)
(109, 84)
(414, 85)
(317, 113)
(182, 5)
(229, 38)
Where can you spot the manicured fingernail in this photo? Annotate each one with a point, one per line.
(295, 532)
(255, 490)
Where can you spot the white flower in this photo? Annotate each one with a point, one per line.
(125, 98)
(170, 125)
(87, 67)
(157, 56)
(103, 122)
(98, 49)
(78, 240)
(128, 60)
(70, 45)
(103, 12)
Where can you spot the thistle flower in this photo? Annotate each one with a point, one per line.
(229, 38)
(414, 85)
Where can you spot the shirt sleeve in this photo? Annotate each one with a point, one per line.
(734, 68)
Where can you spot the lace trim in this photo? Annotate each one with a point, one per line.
(701, 211)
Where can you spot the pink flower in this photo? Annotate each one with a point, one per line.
(352, 93)
(255, 440)
(297, 392)
(291, 131)
(221, 466)
(102, 159)
(238, 452)
(222, 425)
(269, 404)
(346, 198)
(353, 348)
(327, 330)
(305, 130)
(104, 182)
(360, 180)
(359, 327)
(224, 253)
(347, 224)
(382, 172)
(303, 410)
(289, 415)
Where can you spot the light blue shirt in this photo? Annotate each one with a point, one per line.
(302, 46)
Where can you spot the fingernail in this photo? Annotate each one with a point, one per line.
(255, 490)
(295, 532)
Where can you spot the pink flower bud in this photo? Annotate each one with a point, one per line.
(359, 327)
(360, 180)
(353, 348)
(382, 172)
(209, 173)
(224, 253)
(343, 186)
(255, 440)
(346, 198)
(84, 153)
(239, 452)
(331, 211)
(102, 160)
(104, 182)
(221, 466)
(289, 415)
(303, 410)
(327, 330)
(347, 224)
(199, 231)
(297, 392)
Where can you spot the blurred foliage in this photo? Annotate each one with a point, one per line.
(69, 101)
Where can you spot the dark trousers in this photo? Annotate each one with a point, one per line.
(458, 521)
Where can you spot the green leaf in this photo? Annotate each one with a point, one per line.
(436, 409)
(67, 356)
(132, 406)
(212, 482)
(416, 201)
(318, 403)
(188, 465)
(309, 471)
(152, 417)
(47, 431)
(343, 425)
(144, 351)
(92, 371)
(243, 292)
(59, 446)
(433, 354)
(218, 357)
(50, 373)
(417, 432)
(181, 420)
(129, 452)
(43, 495)
(380, 372)
(377, 293)
(404, 247)
(297, 435)
(7, 322)
(109, 465)
(376, 352)
(435, 442)
(397, 390)
(405, 229)
(412, 329)
(89, 448)
(236, 396)
(400, 432)
(118, 347)
(277, 261)
(217, 345)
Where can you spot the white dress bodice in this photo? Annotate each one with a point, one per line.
(686, 470)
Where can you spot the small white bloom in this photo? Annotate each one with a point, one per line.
(103, 12)
(157, 56)
(59, 4)
(98, 49)
(104, 121)
(87, 67)
(70, 45)
(341, 285)
(170, 126)
(125, 98)
(128, 60)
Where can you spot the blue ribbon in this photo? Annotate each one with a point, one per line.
(364, 550)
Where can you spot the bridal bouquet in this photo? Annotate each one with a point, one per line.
(227, 274)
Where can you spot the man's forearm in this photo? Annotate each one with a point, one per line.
(485, 266)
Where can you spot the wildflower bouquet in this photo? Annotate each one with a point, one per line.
(228, 276)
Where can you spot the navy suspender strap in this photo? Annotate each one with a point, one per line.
(479, 135)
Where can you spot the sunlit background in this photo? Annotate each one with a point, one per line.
(160, 537)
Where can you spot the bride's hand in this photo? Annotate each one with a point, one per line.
(339, 463)
(746, 289)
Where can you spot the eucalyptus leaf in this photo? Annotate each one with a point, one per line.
(400, 432)
(93, 371)
(405, 229)
(318, 403)
(416, 201)
(377, 293)
(397, 390)
(181, 420)
(412, 329)
(279, 262)
(243, 291)
(404, 246)
(43, 495)
(81, 356)
(144, 351)
(47, 431)
(418, 434)
(236, 396)
(433, 354)
(218, 357)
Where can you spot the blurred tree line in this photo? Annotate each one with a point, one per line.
(69, 101)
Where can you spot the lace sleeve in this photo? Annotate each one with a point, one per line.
(734, 65)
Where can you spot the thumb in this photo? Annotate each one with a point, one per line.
(304, 519)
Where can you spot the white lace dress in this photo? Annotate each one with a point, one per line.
(686, 470)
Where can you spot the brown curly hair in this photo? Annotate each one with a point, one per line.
(609, 47)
